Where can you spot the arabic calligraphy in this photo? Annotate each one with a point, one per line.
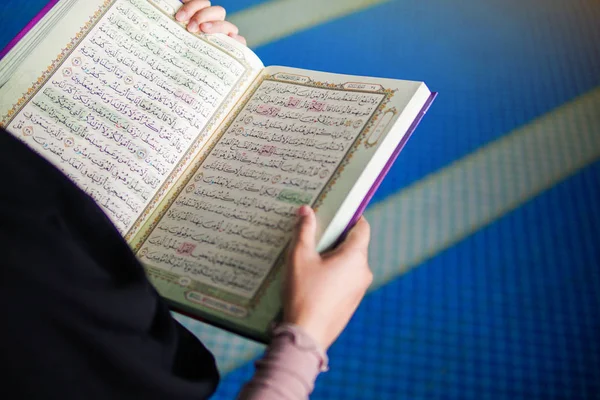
(235, 216)
(124, 107)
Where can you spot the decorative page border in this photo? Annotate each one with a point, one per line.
(229, 298)
(192, 150)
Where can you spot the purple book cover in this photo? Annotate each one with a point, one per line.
(27, 28)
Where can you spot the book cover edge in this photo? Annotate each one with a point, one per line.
(363, 205)
(262, 338)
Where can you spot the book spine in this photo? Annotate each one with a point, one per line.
(27, 28)
(363, 205)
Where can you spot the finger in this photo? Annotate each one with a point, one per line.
(190, 8)
(210, 15)
(306, 230)
(358, 237)
(225, 27)
(239, 38)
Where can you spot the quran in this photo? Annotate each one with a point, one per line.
(198, 153)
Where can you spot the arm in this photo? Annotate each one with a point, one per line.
(321, 292)
(288, 369)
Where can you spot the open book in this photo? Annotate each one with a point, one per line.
(198, 153)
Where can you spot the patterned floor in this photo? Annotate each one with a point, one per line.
(486, 232)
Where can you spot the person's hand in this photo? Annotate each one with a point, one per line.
(322, 292)
(205, 18)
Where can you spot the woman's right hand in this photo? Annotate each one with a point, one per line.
(322, 292)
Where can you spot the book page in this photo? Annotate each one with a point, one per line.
(381, 132)
(297, 135)
(130, 100)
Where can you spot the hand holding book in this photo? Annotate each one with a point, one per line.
(322, 291)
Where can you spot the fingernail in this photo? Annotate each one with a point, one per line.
(193, 26)
(206, 26)
(181, 16)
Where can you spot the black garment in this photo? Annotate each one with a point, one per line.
(78, 318)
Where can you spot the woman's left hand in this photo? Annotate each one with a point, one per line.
(201, 16)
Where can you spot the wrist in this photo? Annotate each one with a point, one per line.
(302, 340)
(311, 329)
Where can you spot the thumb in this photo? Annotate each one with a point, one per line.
(306, 230)
(358, 237)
